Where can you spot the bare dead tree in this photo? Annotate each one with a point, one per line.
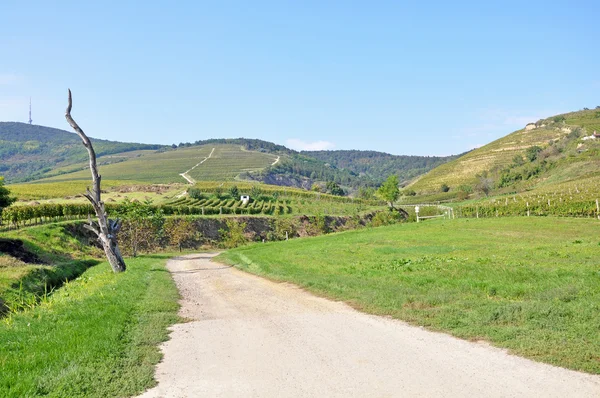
(105, 229)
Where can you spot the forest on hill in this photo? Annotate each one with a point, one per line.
(376, 166)
(29, 151)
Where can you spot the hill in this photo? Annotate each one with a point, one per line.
(29, 152)
(38, 153)
(378, 165)
(549, 151)
(218, 162)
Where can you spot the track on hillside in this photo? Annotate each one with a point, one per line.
(251, 337)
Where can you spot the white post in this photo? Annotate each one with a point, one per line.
(527, 209)
(477, 210)
(598, 209)
(286, 235)
(417, 212)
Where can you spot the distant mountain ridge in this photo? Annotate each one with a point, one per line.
(379, 165)
(31, 152)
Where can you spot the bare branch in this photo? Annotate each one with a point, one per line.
(91, 228)
(88, 145)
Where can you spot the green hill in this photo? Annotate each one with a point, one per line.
(549, 151)
(201, 163)
(29, 152)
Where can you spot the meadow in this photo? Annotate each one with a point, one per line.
(530, 285)
(96, 336)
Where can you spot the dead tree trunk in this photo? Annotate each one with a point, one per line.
(105, 229)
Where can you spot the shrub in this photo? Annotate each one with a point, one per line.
(195, 193)
(386, 218)
(444, 187)
(233, 236)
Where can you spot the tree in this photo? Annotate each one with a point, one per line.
(532, 153)
(234, 192)
(444, 187)
(334, 189)
(485, 184)
(105, 229)
(389, 190)
(181, 232)
(5, 198)
(141, 228)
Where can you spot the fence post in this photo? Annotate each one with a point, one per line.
(598, 209)
(527, 209)
(477, 211)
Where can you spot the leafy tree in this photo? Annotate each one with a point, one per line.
(389, 190)
(444, 187)
(334, 189)
(195, 193)
(366, 193)
(142, 226)
(5, 198)
(234, 192)
(180, 232)
(518, 160)
(233, 235)
(532, 153)
(485, 183)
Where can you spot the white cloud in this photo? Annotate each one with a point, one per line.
(9, 78)
(300, 145)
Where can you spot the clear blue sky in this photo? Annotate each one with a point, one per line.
(423, 78)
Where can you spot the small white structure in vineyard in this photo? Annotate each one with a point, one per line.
(245, 199)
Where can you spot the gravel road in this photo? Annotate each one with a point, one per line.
(249, 337)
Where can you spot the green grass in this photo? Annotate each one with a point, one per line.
(21, 285)
(97, 336)
(531, 285)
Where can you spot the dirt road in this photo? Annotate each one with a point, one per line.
(249, 337)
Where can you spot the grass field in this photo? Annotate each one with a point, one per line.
(97, 336)
(531, 285)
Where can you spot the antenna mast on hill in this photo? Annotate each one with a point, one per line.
(30, 121)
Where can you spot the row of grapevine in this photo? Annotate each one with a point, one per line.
(530, 207)
(17, 216)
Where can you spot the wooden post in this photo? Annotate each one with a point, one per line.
(286, 236)
(527, 209)
(477, 211)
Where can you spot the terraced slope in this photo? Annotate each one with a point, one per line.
(499, 154)
(226, 163)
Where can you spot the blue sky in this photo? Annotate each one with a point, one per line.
(419, 78)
